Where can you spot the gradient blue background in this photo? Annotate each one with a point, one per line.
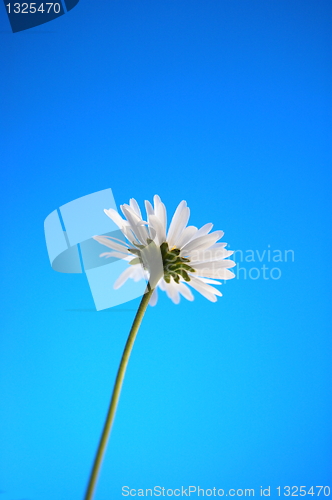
(224, 103)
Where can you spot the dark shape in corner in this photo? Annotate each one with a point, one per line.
(70, 4)
(23, 16)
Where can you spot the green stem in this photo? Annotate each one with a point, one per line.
(116, 394)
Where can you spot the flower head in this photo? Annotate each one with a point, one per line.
(171, 260)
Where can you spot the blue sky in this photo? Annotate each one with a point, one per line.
(226, 104)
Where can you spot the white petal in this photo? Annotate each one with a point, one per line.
(160, 212)
(135, 219)
(135, 222)
(154, 297)
(201, 243)
(172, 291)
(179, 222)
(148, 208)
(156, 224)
(204, 286)
(108, 242)
(209, 292)
(115, 239)
(186, 236)
(134, 205)
(139, 273)
(221, 274)
(117, 255)
(219, 245)
(204, 230)
(208, 280)
(130, 235)
(209, 254)
(116, 217)
(218, 264)
(127, 273)
(162, 284)
(195, 234)
(185, 291)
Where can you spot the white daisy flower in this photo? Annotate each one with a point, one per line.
(169, 260)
